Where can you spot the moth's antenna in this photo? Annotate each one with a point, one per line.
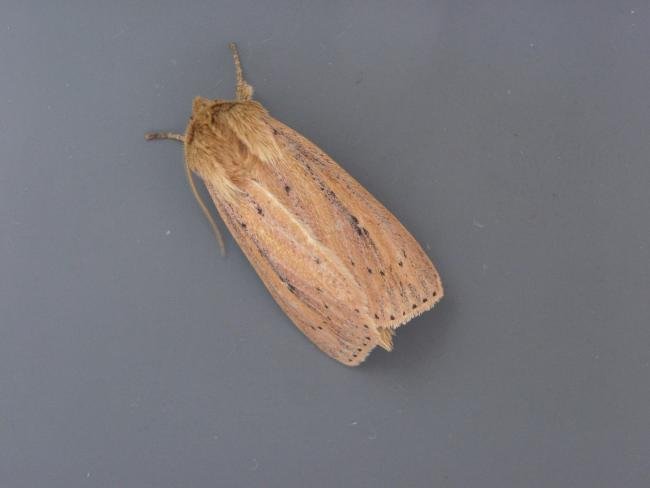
(150, 136)
(206, 212)
(244, 90)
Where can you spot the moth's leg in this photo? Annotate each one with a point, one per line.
(150, 136)
(244, 90)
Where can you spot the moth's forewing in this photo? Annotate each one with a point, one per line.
(339, 264)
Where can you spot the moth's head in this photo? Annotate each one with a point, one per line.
(205, 113)
(205, 108)
(214, 116)
(200, 105)
(211, 118)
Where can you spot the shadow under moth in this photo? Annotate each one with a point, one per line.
(340, 265)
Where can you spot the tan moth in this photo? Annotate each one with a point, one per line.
(341, 266)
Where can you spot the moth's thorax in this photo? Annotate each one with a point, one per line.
(225, 139)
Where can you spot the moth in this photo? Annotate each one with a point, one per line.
(339, 264)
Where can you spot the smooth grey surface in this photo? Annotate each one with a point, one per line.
(512, 138)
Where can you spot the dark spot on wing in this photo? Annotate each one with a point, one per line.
(361, 231)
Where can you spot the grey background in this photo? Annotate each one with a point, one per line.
(512, 139)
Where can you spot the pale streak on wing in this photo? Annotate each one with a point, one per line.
(296, 231)
(398, 277)
(318, 293)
